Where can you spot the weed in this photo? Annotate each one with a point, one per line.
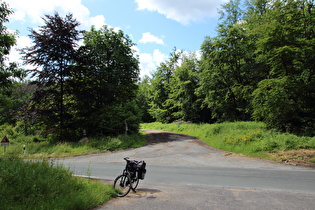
(249, 137)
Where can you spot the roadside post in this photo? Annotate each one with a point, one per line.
(126, 128)
(24, 150)
(4, 143)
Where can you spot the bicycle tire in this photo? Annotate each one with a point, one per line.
(122, 185)
(134, 183)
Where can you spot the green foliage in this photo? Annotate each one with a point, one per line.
(273, 102)
(44, 185)
(47, 148)
(159, 109)
(54, 52)
(10, 74)
(248, 138)
(143, 99)
(110, 69)
(173, 88)
(12, 102)
(104, 85)
(284, 42)
(119, 118)
(89, 88)
(182, 99)
(229, 70)
(260, 65)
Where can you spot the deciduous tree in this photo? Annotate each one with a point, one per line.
(106, 82)
(53, 55)
(9, 73)
(285, 42)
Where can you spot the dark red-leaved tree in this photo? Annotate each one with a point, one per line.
(53, 55)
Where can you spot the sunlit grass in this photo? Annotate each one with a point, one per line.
(248, 138)
(46, 149)
(43, 185)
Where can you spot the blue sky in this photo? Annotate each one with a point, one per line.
(155, 26)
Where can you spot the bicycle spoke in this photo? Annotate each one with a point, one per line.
(122, 185)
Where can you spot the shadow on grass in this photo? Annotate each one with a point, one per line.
(154, 137)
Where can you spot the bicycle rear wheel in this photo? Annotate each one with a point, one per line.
(122, 185)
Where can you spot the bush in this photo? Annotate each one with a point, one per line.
(286, 105)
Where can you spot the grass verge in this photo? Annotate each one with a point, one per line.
(38, 185)
(46, 149)
(248, 138)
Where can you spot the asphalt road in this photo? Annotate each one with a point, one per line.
(183, 173)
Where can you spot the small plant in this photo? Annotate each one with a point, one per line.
(249, 137)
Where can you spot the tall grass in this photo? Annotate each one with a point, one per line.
(46, 149)
(42, 185)
(248, 138)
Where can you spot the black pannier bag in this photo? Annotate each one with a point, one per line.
(141, 169)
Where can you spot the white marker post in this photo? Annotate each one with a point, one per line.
(24, 150)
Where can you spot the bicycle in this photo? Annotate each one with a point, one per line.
(129, 179)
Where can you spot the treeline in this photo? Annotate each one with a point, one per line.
(260, 66)
(74, 90)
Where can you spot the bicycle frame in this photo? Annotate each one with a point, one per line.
(130, 168)
(129, 178)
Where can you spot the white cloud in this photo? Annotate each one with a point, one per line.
(34, 10)
(21, 42)
(149, 38)
(182, 11)
(18, 15)
(98, 21)
(150, 61)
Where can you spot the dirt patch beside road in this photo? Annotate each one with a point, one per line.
(301, 157)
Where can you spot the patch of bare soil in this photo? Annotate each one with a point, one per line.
(301, 157)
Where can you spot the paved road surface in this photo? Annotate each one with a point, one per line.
(183, 173)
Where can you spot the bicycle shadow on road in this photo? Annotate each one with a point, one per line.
(145, 193)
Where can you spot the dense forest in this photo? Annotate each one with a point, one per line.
(260, 66)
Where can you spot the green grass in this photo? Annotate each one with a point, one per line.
(38, 185)
(47, 149)
(248, 138)
(43, 185)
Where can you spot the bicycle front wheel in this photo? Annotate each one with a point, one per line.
(122, 185)
(135, 182)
